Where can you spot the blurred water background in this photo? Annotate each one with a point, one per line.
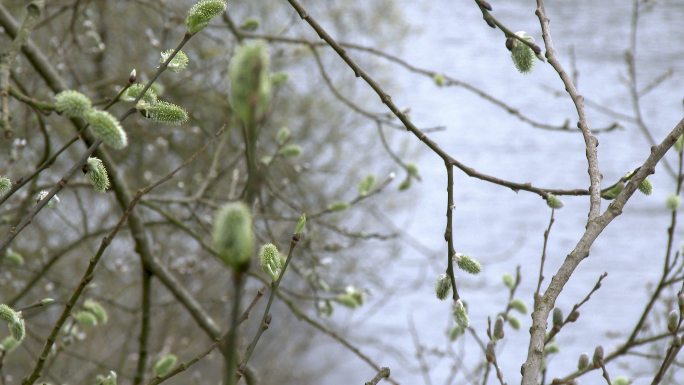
(502, 228)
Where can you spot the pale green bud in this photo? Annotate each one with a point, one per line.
(250, 81)
(233, 237)
(443, 286)
(461, 315)
(499, 328)
(522, 55)
(8, 344)
(283, 135)
(672, 321)
(201, 14)
(553, 201)
(164, 365)
(519, 305)
(109, 379)
(291, 150)
(72, 104)
(467, 264)
(439, 80)
(135, 90)
(583, 362)
(366, 184)
(673, 202)
(490, 352)
(18, 329)
(8, 314)
(646, 187)
(178, 63)
(621, 380)
(85, 318)
(97, 174)
(13, 257)
(412, 169)
(338, 206)
(613, 192)
(301, 224)
(250, 24)
(5, 184)
(165, 112)
(270, 261)
(97, 310)
(514, 322)
(508, 280)
(551, 348)
(278, 78)
(405, 184)
(352, 297)
(107, 128)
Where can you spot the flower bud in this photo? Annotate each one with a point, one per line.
(164, 365)
(519, 305)
(283, 135)
(8, 344)
(54, 201)
(439, 80)
(557, 317)
(72, 104)
(583, 362)
(508, 280)
(178, 63)
(574, 315)
(250, 82)
(673, 202)
(250, 24)
(646, 187)
(672, 321)
(135, 90)
(85, 318)
(97, 310)
(522, 55)
(107, 128)
(621, 380)
(338, 206)
(5, 184)
(13, 257)
(490, 353)
(461, 315)
(553, 201)
(291, 150)
(456, 332)
(233, 238)
(269, 258)
(301, 224)
(443, 286)
(97, 174)
(514, 322)
(499, 328)
(132, 76)
(201, 14)
(597, 359)
(468, 264)
(366, 185)
(551, 348)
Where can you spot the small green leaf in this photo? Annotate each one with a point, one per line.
(366, 184)
(300, 224)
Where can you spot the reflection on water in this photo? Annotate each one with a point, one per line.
(502, 228)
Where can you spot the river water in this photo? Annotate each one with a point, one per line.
(502, 228)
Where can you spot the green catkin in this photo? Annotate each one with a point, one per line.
(201, 14)
(613, 192)
(107, 128)
(72, 104)
(270, 261)
(164, 365)
(165, 112)
(13, 257)
(250, 82)
(18, 329)
(338, 206)
(291, 150)
(8, 344)
(366, 185)
(97, 174)
(553, 202)
(97, 310)
(233, 238)
(178, 63)
(646, 187)
(583, 362)
(522, 55)
(442, 286)
(461, 315)
(85, 318)
(135, 90)
(468, 264)
(508, 280)
(513, 321)
(673, 201)
(519, 305)
(5, 184)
